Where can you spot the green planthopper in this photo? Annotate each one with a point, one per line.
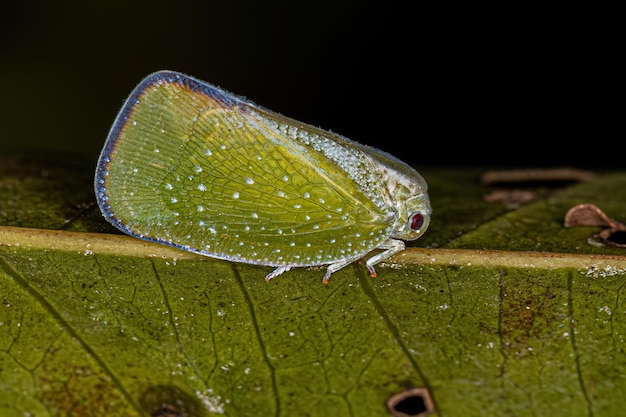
(189, 165)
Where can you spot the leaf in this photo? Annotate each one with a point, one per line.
(496, 311)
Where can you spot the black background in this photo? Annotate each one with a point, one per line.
(445, 85)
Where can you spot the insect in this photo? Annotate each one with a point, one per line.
(192, 166)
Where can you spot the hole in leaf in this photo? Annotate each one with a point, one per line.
(414, 402)
(618, 237)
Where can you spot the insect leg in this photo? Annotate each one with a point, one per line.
(390, 247)
(334, 267)
(276, 272)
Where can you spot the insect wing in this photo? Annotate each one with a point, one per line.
(191, 166)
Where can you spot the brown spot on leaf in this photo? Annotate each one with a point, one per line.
(170, 401)
(71, 388)
(526, 310)
(166, 411)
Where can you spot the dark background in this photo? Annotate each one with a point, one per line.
(444, 85)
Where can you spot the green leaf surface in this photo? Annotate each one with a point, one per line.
(497, 310)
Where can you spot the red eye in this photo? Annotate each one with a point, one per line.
(417, 221)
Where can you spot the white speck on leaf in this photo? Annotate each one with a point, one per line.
(213, 403)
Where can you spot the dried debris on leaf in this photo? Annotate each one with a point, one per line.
(613, 233)
(522, 186)
(539, 175)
